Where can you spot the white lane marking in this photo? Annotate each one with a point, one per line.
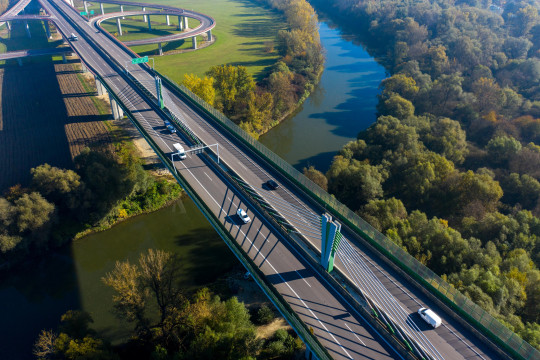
(354, 334)
(207, 176)
(302, 278)
(272, 266)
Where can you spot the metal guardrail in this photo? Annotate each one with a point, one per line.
(271, 292)
(482, 320)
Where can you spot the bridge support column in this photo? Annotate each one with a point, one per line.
(47, 30)
(120, 111)
(27, 27)
(160, 49)
(19, 60)
(64, 60)
(114, 108)
(101, 8)
(85, 7)
(168, 20)
(83, 68)
(99, 88)
(180, 22)
(149, 23)
(122, 10)
(209, 35)
(8, 25)
(119, 26)
(186, 24)
(194, 39)
(144, 16)
(331, 237)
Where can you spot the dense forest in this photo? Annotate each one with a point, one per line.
(167, 323)
(105, 187)
(450, 171)
(258, 107)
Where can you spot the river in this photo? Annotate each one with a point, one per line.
(342, 104)
(35, 297)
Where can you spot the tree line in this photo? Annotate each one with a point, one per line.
(258, 107)
(105, 186)
(450, 171)
(167, 323)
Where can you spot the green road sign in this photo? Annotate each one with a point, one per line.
(91, 12)
(84, 13)
(139, 60)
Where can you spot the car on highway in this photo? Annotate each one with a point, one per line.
(243, 215)
(430, 317)
(73, 37)
(171, 129)
(272, 185)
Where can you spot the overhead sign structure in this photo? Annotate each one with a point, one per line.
(139, 60)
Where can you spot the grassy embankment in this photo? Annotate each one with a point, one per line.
(242, 30)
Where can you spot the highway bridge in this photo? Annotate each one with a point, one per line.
(366, 308)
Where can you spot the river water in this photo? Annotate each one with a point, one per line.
(34, 298)
(342, 104)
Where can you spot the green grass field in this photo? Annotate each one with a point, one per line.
(242, 30)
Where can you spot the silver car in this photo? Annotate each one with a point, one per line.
(243, 215)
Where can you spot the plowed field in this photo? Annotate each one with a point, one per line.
(47, 116)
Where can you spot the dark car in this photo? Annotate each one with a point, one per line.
(272, 185)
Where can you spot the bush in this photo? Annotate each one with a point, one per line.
(265, 315)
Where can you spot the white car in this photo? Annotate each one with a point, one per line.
(430, 317)
(243, 215)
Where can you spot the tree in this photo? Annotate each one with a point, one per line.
(32, 213)
(204, 88)
(153, 279)
(57, 185)
(502, 148)
(396, 106)
(354, 183)
(401, 84)
(384, 214)
(317, 177)
(448, 139)
(233, 85)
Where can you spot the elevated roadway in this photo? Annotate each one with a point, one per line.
(335, 322)
(339, 328)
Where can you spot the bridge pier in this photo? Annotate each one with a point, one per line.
(209, 35)
(100, 88)
(8, 25)
(160, 49)
(27, 27)
(168, 20)
(122, 10)
(114, 108)
(119, 26)
(19, 60)
(101, 8)
(83, 68)
(186, 24)
(47, 30)
(194, 39)
(149, 23)
(180, 21)
(144, 16)
(64, 60)
(85, 7)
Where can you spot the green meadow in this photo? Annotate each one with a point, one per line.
(243, 30)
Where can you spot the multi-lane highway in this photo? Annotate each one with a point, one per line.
(339, 329)
(336, 324)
